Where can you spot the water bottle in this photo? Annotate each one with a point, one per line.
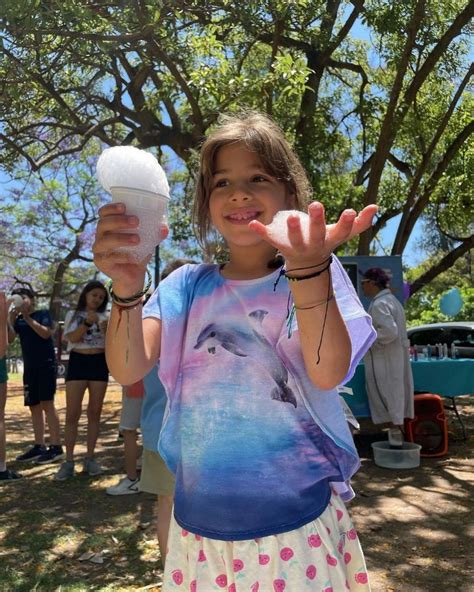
(445, 350)
(428, 351)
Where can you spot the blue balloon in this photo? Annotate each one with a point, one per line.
(451, 303)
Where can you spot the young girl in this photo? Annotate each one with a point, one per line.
(250, 358)
(84, 329)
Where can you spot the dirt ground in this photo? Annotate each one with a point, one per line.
(414, 524)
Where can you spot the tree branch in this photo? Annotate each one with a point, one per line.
(445, 263)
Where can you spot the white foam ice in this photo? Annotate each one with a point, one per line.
(278, 228)
(127, 166)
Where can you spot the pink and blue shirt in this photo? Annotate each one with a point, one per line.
(254, 444)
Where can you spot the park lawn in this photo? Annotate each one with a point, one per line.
(70, 535)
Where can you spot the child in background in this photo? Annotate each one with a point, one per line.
(6, 475)
(132, 400)
(250, 358)
(84, 329)
(35, 329)
(155, 477)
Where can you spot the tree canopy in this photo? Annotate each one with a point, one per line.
(373, 94)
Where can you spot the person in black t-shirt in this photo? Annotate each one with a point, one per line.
(35, 329)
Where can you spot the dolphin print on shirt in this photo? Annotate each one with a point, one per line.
(249, 342)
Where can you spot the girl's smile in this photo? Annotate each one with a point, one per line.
(243, 216)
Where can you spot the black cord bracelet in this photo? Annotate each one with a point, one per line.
(309, 275)
(130, 299)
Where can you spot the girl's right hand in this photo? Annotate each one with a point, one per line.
(126, 274)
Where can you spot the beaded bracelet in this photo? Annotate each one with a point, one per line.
(310, 266)
(131, 299)
(301, 278)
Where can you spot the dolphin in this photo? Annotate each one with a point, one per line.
(248, 342)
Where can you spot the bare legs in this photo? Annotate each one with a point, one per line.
(94, 410)
(164, 510)
(38, 423)
(3, 399)
(130, 449)
(75, 390)
(52, 419)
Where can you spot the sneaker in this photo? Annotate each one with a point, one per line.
(395, 438)
(34, 452)
(65, 471)
(91, 467)
(51, 455)
(9, 475)
(125, 486)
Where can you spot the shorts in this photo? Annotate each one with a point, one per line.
(3, 370)
(39, 384)
(155, 476)
(324, 554)
(131, 412)
(87, 367)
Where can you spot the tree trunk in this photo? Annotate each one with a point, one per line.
(55, 301)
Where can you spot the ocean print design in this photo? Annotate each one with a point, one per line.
(251, 440)
(251, 343)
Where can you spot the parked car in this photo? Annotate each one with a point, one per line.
(460, 333)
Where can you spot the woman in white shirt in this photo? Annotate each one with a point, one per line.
(84, 329)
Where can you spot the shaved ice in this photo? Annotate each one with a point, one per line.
(278, 228)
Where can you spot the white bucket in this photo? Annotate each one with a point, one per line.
(407, 457)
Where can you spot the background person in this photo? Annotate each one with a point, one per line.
(155, 476)
(35, 329)
(84, 329)
(6, 475)
(389, 379)
(132, 398)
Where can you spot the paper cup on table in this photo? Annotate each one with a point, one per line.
(151, 209)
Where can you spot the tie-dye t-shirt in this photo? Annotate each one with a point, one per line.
(253, 443)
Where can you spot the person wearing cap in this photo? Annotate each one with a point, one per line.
(388, 375)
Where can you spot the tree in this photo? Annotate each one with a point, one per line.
(56, 213)
(361, 114)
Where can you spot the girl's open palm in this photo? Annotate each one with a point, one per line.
(322, 239)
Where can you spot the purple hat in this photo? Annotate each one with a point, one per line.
(377, 275)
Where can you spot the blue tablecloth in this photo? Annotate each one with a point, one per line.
(446, 377)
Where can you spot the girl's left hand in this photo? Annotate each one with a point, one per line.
(322, 238)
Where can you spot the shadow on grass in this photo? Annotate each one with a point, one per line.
(412, 523)
(46, 526)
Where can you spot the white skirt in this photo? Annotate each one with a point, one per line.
(323, 556)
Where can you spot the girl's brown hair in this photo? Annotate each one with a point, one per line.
(260, 135)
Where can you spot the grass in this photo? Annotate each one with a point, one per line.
(47, 527)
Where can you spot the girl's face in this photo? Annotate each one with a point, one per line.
(241, 191)
(95, 298)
